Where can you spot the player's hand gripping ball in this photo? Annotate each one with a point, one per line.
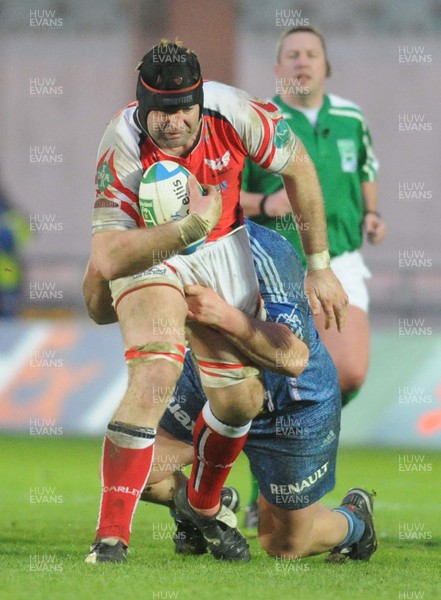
(163, 196)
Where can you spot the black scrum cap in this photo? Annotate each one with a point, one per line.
(169, 79)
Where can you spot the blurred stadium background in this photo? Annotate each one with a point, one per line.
(68, 66)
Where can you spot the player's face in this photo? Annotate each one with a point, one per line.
(302, 65)
(174, 130)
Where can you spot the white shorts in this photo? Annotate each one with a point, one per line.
(225, 265)
(352, 272)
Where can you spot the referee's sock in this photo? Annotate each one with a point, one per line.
(216, 447)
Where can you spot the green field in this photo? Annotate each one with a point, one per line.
(49, 502)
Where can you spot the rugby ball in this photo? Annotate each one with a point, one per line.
(163, 196)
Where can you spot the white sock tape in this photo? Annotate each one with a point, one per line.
(230, 431)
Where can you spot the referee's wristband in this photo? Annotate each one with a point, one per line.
(318, 260)
(262, 211)
(371, 212)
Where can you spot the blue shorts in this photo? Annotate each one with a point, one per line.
(292, 452)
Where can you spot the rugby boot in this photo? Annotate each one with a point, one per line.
(188, 539)
(361, 503)
(224, 540)
(110, 550)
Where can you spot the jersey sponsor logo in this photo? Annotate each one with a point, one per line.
(348, 155)
(104, 176)
(283, 134)
(218, 164)
(297, 487)
(103, 203)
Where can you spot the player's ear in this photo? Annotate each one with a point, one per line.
(277, 69)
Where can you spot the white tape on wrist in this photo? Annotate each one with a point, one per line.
(319, 260)
(192, 228)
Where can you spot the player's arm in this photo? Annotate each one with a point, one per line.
(266, 205)
(304, 193)
(118, 253)
(270, 345)
(97, 296)
(305, 197)
(121, 253)
(368, 169)
(120, 247)
(272, 145)
(373, 224)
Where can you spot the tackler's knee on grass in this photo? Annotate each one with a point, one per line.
(291, 534)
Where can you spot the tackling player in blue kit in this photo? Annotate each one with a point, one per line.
(292, 443)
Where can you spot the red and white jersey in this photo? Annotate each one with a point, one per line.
(234, 126)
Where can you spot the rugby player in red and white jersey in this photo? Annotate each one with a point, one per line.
(209, 128)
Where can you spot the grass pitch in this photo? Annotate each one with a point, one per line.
(49, 503)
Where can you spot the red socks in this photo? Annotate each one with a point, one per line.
(127, 461)
(216, 447)
(126, 465)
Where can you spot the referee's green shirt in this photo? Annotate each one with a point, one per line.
(341, 149)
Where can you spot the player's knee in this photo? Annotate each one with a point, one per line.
(248, 406)
(154, 369)
(152, 352)
(151, 384)
(237, 404)
(159, 377)
(240, 413)
(218, 374)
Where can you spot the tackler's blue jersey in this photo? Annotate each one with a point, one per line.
(297, 433)
(281, 281)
